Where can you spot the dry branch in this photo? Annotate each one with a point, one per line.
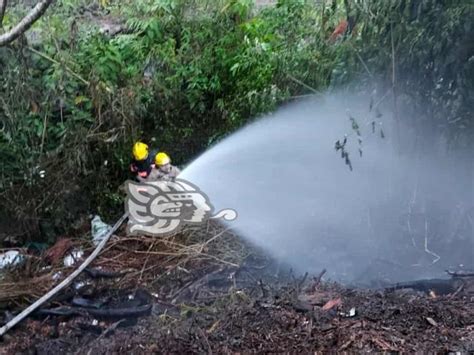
(25, 23)
(69, 70)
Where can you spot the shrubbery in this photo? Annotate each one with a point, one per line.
(183, 74)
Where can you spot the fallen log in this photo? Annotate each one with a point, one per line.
(439, 286)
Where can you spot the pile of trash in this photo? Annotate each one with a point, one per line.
(25, 274)
(62, 249)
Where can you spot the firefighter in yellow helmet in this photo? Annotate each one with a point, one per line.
(163, 169)
(143, 161)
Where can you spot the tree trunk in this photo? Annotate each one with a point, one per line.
(3, 6)
(25, 23)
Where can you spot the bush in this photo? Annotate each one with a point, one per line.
(183, 74)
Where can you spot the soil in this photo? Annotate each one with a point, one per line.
(151, 298)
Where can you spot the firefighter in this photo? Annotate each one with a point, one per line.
(143, 161)
(163, 169)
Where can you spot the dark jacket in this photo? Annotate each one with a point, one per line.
(143, 168)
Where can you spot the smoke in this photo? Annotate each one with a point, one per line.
(400, 213)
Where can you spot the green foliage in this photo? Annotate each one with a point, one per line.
(424, 49)
(183, 74)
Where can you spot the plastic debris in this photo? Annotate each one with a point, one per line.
(99, 229)
(73, 257)
(84, 288)
(79, 285)
(10, 258)
(352, 313)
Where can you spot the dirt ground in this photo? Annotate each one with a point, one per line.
(217, 295)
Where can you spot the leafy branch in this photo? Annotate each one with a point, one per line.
(341, 146)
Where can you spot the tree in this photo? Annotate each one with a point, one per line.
(25, 23)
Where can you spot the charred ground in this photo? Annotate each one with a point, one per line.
(207, 291)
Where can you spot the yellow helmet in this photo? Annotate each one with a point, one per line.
(140, 151)
(162, 159)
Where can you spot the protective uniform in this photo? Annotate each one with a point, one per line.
(166, 172)
(143, 161)
(163, 169)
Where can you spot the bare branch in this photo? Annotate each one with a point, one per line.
(25, 23)
(3, 7)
